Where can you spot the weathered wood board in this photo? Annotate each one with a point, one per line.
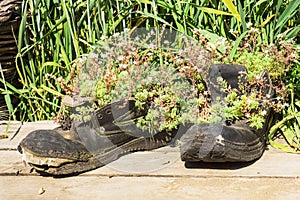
(157, 174)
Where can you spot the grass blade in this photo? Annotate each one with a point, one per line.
(266, 21)
(232, 8)
(154, 17)
(285, 148)
(288, 12)
(236, 45)
(242, 16)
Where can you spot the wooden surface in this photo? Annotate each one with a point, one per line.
(158, 174)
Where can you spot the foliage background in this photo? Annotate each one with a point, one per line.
(54, 34)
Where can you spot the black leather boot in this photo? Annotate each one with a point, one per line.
(110, 133)
(226, 141)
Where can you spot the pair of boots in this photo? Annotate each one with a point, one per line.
(111, 132)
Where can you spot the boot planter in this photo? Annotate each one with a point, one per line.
(110, 133)
(137, 89)
(228, 140)
(144, 97)
(221, 143)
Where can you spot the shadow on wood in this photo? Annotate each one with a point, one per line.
(218, 165)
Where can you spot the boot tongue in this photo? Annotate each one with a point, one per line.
(98, 141)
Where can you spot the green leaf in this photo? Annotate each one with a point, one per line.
(10, 86)
(297, 130)
(285, 148)
(154, 17)
(144, 1)
(236, 45)
(292, 32)
(54, 92)
(242, 16)
(288, 12)
(52, 64)
(259, 2)
(214, 11)
(267, 20)
(8, 103)
(231, 7)
(288, 134)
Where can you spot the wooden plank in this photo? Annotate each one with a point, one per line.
(157, 174)
(166, 163)
(24, 187)
(160, 162)
(274, 163)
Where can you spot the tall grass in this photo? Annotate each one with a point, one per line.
(54, 33)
